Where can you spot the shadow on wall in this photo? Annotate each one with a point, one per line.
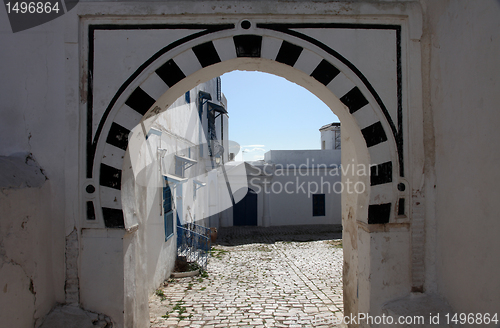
(234, 236)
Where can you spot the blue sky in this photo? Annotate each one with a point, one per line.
(268, 112)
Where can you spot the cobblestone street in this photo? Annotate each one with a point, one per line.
(260, 277)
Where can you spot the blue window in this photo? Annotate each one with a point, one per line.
(188, 97)
(319, 205)
(168, 212)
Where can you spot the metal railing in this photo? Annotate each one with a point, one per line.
(193, 242)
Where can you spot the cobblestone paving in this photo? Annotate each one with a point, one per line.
(260, 277)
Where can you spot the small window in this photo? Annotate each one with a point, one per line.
(187, 95)
(318, 205)
(323, 146)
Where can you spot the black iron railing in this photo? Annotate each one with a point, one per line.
(193, 242)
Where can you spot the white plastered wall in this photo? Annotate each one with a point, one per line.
(460, 61)
(49, 107)
(297, 175)
(36, 125)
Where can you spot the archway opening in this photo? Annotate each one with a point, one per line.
(210, 219)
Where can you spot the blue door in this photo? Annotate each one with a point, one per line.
(245, 211)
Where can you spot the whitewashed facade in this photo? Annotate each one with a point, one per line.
(294, 187)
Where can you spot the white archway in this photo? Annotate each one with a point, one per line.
(370, 135)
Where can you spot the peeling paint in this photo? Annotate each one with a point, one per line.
(21, 171)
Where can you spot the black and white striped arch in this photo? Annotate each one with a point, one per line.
(378, 136)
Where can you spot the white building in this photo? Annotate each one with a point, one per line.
(191, 138)
(330, 136)
(292, 187)
(171, 171)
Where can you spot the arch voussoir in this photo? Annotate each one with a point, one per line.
(377, 135)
